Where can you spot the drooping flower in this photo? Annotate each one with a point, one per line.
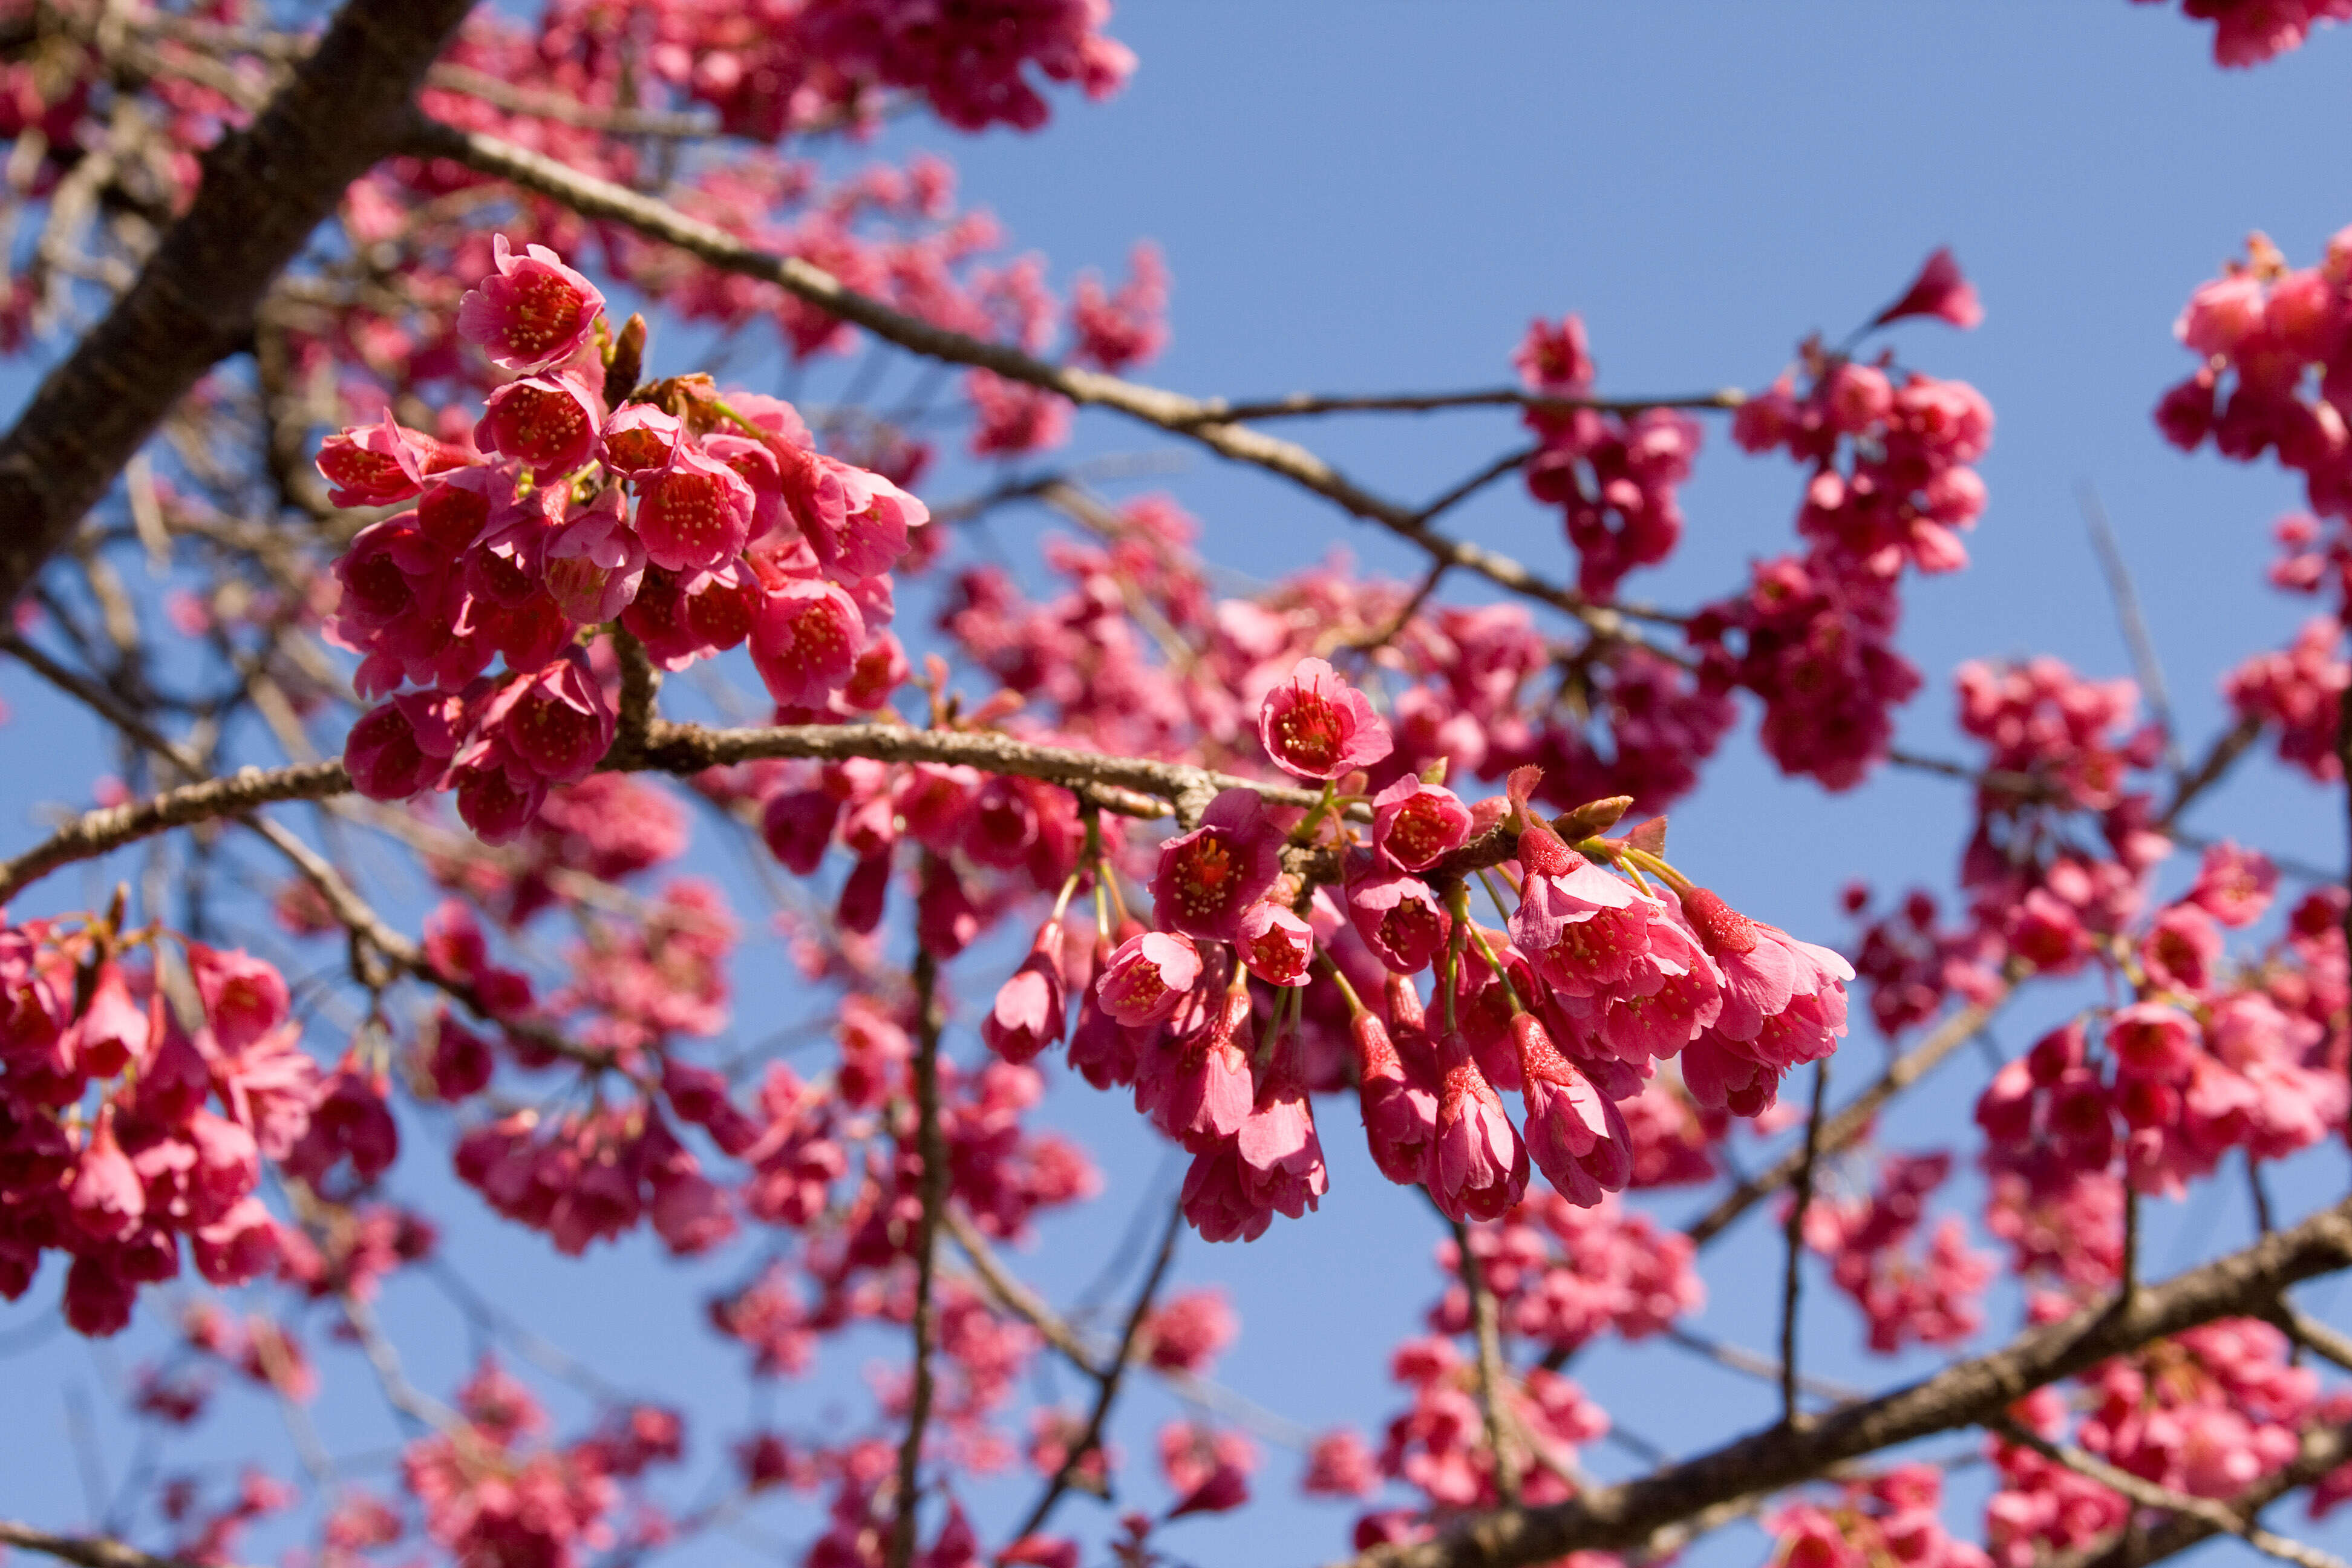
(1940, 291)
(1275, 944)
(593, 561)
(1478, 1167)
(1316, 725)
(1208, 878)
(1576, 1136)
(1398, 916)
(1400, 1113)
(1029, 1011)
(1784, 1001)
(555, 720)
(1147, 977)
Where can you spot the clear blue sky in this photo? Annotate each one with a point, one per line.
(1377, 195)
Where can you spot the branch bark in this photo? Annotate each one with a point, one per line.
(194, 304)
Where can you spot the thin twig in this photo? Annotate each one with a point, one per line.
(1299, 404)
(1494, 1377)
(1792, 1282)
(2132, 623)
(1110, 1377)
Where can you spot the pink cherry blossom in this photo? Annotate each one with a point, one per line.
(532, 312)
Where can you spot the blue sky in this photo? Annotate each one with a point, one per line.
(1377, 196)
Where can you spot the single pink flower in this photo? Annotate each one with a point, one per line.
(244, 997)
(401, 748)
(532, 312)
(640, 439)
(1577, 1137)
(1398, 916)
(1478, 1166)
(1215, 1198)
(1198, 1085)
(1147, 977)
(2233, 885)
(1940, 291)
(378, 465)
(549, 424)
(1208, 878)
(1275, 944)
(694, 514)
(555, 720)
(1784, 1001)
(106, 1196)
(1580, 927)
(1316, 725)
(2152, 1039)
(1417, 824)
(112, 1030)
(1399, 1112)
(806, 638)
(1281, 1158)
(856, 522)
(1030, 1012)
(592, 562)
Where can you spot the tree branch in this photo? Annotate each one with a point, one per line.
(1109, 1379)
(1967, 1394)
(933, 1150)
(89, 1550)
(1793, 1281)
(2220, 1516)
(1494, 1377)
(194, 303)
(1191, 418)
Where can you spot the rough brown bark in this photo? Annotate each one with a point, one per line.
(265, 189)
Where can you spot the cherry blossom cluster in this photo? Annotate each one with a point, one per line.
(1890, 1517)
(2297, 693)
(2057, 866)
(1613, 476)
(2207, 1058)
(2207, 1412)
(128, 1134)
(1891, 484)
(695, 523)
(1596, 978)
(494, 1489)
(1935, 1298)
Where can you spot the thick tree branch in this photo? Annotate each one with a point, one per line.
(1133, 786)
(89, 1550)
(194, 303)
(1967, 1394)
